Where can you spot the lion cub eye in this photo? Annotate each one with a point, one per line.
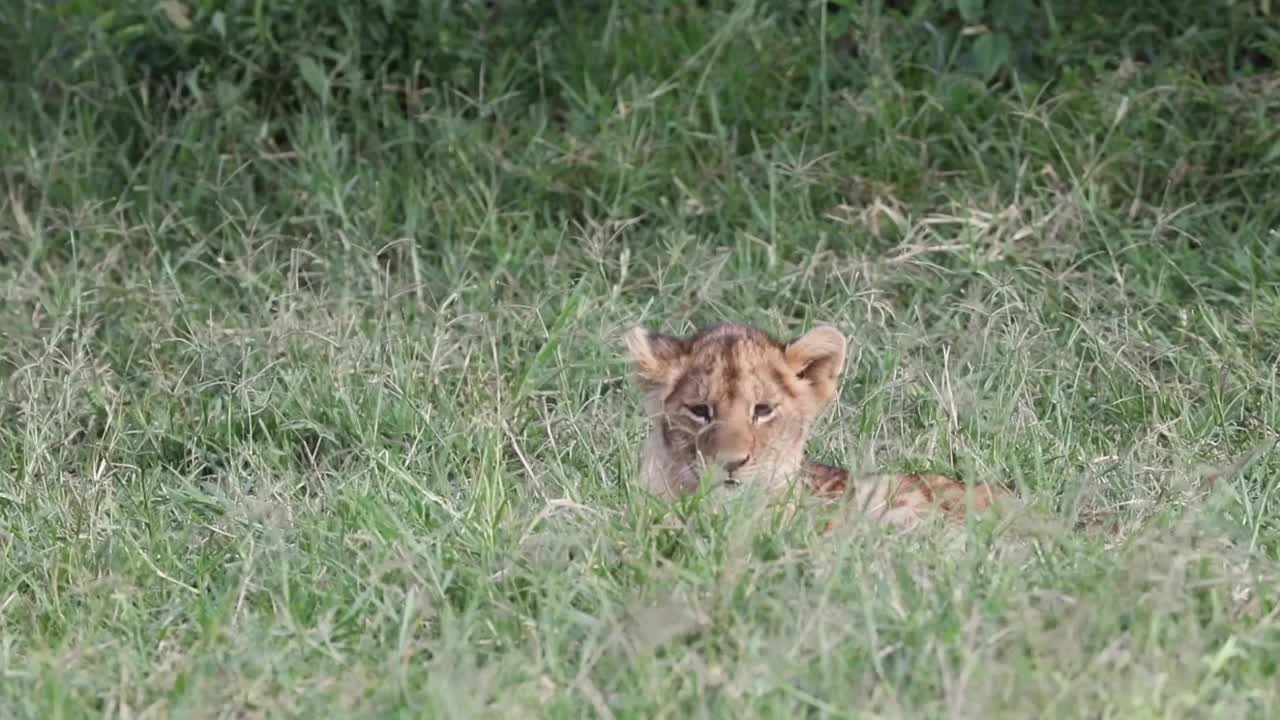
(763, 411)
(701, 411)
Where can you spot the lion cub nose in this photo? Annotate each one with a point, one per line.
(733, 463)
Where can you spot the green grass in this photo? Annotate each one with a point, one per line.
(319, 407)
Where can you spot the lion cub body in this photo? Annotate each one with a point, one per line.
(734, 404)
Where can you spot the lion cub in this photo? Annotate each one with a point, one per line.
(733, 401)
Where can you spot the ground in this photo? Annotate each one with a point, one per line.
(323, 410)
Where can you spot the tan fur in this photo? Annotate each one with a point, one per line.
(736, 405)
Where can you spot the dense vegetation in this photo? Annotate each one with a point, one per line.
(312, 400)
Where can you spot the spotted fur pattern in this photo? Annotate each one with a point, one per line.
(734, 406)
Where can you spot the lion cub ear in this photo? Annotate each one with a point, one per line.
(818, 359)
(656, 359)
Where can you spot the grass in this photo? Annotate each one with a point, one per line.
(322, 409)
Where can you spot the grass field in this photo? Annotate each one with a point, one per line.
(318, 407)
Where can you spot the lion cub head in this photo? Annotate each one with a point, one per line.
(733, 400)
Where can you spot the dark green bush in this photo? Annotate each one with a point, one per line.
(281, 53)
(1035, 38)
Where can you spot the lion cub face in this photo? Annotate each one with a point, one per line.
(731, 398)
